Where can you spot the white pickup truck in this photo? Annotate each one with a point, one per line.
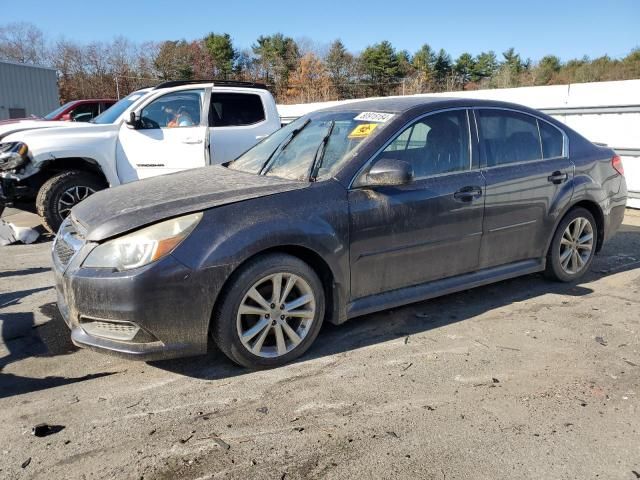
(173, 126)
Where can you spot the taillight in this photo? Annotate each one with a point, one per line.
(616, 163)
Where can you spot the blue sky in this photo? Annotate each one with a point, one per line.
(567, 28)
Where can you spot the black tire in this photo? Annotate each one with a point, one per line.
(50, 193)
(224, 329)
(554, 269)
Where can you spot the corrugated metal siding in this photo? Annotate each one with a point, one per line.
(35, 89)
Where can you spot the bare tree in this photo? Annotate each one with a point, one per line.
(23, 43)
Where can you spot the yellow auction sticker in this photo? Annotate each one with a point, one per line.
(362, 131)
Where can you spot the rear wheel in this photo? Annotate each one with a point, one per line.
(573, 246)
(62, 192)
(270, 313)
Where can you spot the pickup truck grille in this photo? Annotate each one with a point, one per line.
(67, 243)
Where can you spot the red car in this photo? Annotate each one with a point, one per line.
(74, 111)
(80, 110)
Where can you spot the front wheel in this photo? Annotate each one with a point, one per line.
(573, 246)
(271, 312)
(61, 193)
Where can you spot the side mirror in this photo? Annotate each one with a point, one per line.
(388, 171)
(133, 121)
(66, 117)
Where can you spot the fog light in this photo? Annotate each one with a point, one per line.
(123, 331)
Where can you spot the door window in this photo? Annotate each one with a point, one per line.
(435, 144)
(84, 112)
(509, 137)
(552, 140)
(173, 110)
(235, 109)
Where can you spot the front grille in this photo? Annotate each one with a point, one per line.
(67, 243)
(64, 251)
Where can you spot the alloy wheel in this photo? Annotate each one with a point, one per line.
(71, 197)
(576, 245)
(276, 314)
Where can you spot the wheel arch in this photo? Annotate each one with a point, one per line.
(593, 208)
(57, 165)
(310, 257)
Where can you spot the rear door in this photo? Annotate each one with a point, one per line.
(428, 229)
(238, 121)
(172, 136)
(528, 181)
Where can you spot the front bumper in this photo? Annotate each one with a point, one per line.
(12, 190)
(170, 303)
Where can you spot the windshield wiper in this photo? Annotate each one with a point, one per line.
(319, 156)
(283, 145)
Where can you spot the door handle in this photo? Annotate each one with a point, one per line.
(260, 137)
(468, 194)
(558, 177)
(192, 141)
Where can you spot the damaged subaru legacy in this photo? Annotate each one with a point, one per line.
(346, 211)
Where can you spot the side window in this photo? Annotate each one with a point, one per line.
(173, 110)
(552, 140)
(84, 112)
(105, 105)
(435, 144)
(509, 137)
(235, 109)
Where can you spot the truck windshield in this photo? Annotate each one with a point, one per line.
(312, 148)
(112, 113)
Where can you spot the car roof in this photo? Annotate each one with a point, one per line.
(404, 104)
(90, 100)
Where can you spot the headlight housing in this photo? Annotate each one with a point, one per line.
(13, 155)
(142, 246)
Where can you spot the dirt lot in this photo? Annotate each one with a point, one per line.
(521, 379)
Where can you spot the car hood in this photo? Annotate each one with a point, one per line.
(22, 125)
(127, 207)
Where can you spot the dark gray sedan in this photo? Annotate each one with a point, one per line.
(341, 213)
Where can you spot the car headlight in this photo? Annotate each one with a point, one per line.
(13, 155)
(142, 246)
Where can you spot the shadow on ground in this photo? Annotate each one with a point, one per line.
(620, 254)
(24, 339)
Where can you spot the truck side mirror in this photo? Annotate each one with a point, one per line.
(133, 121)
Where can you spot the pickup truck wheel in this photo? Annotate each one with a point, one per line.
(62, 192)
(270, 313)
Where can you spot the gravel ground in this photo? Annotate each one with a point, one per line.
(521, 379)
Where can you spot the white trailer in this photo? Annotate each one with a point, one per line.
(604, 112)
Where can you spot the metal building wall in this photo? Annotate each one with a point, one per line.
(35, 89)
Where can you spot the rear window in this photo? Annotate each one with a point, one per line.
(235, 109)
(552, 140)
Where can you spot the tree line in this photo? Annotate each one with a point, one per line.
(296, 71)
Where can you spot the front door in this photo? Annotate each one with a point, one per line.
(172, 136)
(426, 230)
(528, 175)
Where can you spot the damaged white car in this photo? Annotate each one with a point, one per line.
(174, 126)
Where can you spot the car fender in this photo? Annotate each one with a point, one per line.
(313, 219)
(95, 143)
